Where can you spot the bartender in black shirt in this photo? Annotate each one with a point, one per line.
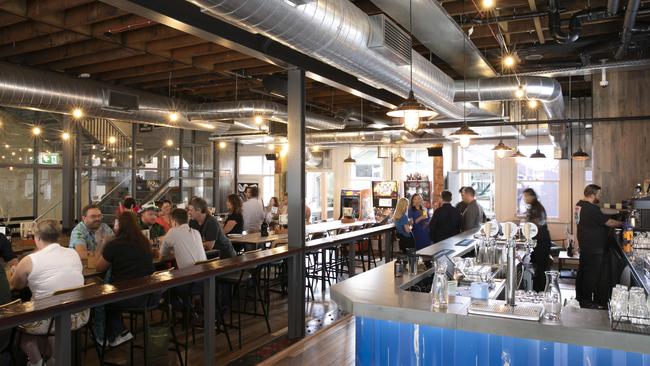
(593, 230)
(536, 213)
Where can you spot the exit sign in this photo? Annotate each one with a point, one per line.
(49, 158)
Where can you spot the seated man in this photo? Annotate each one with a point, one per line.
(183, 240)
(148, 221)
(207, 225)
(90, 234)
(49, 269)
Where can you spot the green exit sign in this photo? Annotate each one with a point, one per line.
(49, 158)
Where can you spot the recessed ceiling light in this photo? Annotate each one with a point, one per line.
(84, 75)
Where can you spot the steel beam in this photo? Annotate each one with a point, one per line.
(187, 17)
(216, 193)
(296, 191)
(63, 339)
(67, 195)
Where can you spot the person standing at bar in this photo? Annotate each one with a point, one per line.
(593, 229)
(445, 221)
(473, 215)
(418, 213)
(253, 211)
(461, 205)
(403, 225)
(536, 214)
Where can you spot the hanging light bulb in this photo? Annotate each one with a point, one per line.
(411, 120)
(349, 160)
(173, 116)
(538, 155)
(169, 142)
(77, 113)
(509, 61)
(532, 104)
(258, 120)
(36, 131)
(65, 136)
(501, 149)
(580, 155)
(464, 135)
(222, 144)
(487, 4)
(520, 92)
(112, 139)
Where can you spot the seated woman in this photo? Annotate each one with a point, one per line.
(129, 255)
(49, 269)
(165, 214)
(235, 221)
(272, 210)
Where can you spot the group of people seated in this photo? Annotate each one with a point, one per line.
(124, 252)
(417, 229)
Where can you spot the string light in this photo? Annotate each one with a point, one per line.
(532, 104)
(170, 142)
(11, 168)
(112, 139)
(173, 116)
(258, 120)
(65, 136)
(77, 113)
(36, 131)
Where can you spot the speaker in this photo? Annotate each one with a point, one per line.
(434, 151)
(271, 156)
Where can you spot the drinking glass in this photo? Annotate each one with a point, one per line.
(439, 287)
(552, 296)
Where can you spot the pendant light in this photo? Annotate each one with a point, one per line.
(501, 149)
(349, 160)
(399, 159)
(464, 134)
(579, 155)
(538, 154)
(410, 109)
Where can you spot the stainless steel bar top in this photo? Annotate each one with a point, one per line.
(378, 294)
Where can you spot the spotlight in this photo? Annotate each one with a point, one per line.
(36, 131)
(222, 144)
(65, 136)
(487, 4)
(532, 104)
(173, 116)
(170, 142)
(77, 113)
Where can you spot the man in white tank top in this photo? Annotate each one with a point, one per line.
(48, 269)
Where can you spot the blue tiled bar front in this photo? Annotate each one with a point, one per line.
(399, 327)
(385, 342)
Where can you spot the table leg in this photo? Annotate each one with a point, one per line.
(209, 304)
(323, 270)
(351, 260)
(62, 341)
(387, 239)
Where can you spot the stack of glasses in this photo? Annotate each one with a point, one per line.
(632, 305)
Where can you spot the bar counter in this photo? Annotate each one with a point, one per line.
(395, 326)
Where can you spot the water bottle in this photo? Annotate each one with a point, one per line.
(439, 287)
(399, 267)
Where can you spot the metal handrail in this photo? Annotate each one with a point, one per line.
(48, 210)
(153, 196)
(108, 195)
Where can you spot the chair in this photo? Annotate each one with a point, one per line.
(12, 334)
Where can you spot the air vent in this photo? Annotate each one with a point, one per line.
(389, 40)
(122, 101)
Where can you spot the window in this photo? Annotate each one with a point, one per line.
(257, 165)
(368, 166)
(542, 175)
(313, 191)
(417, 161)
(476, 164)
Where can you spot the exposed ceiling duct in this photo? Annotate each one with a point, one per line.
(546, 90)
(338, 32)
(23, 87)
(631, 11)
(555, 24)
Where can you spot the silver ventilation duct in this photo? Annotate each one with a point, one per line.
(23, 87)
(546, 90)
(338, 32)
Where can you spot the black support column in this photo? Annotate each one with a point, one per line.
(216, 194)
(296, 190)
(134, 162)
(67, 195)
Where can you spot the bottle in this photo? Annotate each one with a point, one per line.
(440, 286)
(399, 267)
(552, 298)
(569, 249)
(264, 230)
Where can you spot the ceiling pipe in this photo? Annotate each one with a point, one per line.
(338, 32)
(555, 24)
(612, 7)
(631, 12)
(30, 88)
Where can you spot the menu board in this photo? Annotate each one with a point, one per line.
(384, 193)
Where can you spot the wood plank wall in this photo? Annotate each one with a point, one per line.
(621, 150)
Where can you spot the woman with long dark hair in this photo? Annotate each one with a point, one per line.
(129, 255)
(420, 216)
(536, 213)
(235, 221)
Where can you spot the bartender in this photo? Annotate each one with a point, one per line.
(536, 214)
(592, 285)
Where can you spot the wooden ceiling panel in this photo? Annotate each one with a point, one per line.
(40, 43)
